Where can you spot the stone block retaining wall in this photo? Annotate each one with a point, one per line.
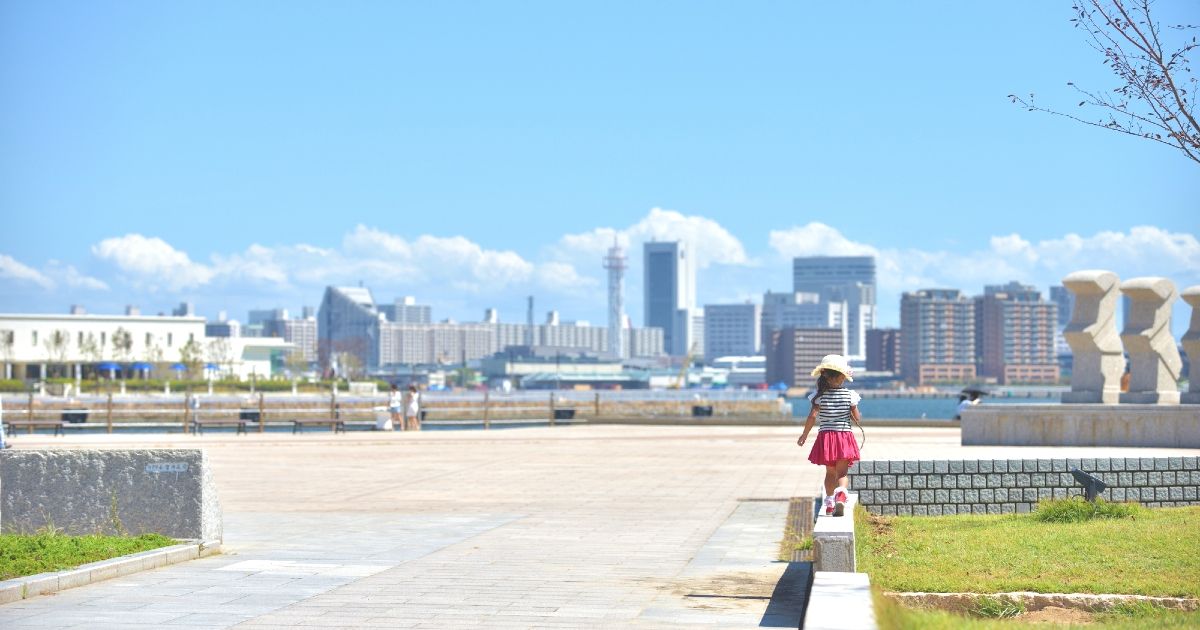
(1003, 486)
(167, 491)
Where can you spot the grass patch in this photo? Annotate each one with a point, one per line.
(997, 607)
(39, 553)
(891, 615)
(1077, 510)
(1152, 554)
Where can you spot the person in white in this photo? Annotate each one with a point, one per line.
(395, 408)
(412, 409)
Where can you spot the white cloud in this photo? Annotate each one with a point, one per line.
(1143, 250)
(468, 265)
(711, 243)
(816, 239)
(257, 264)
(70, 276)
(152, 263)
(12, 268)
(562, 277)
(366, 242)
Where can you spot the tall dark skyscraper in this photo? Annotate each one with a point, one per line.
(842, 278)
(669, 286)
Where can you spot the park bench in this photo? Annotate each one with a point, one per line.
(15, 423)
(337, 425)
(198, 424)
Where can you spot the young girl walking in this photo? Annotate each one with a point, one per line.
(835, 448)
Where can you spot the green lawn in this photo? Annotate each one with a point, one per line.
(28, 555)
(1155, 553)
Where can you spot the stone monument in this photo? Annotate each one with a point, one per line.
(1092, 335)
(1191, 345)
(1154, 363)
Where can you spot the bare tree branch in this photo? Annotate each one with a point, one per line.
(1152, 101)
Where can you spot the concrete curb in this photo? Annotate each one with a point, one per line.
(28, 586)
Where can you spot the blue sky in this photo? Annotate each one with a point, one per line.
(245, 155)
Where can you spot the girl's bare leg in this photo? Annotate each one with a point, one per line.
(842, 470)
(831, 479)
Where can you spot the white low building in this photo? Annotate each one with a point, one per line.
(36, 346)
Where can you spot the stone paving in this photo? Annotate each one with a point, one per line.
(581, 526)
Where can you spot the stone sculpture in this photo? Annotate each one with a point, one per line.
(1092, 335)
(1191, 345)
(1154, 362)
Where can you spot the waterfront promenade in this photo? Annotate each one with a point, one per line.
(579, 526)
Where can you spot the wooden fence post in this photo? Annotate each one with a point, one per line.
(551, 407)
(108, 412)
(29, 411)
(262, 413)
(597, 411)
(487, 423)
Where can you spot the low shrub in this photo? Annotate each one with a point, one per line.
(1077, 510)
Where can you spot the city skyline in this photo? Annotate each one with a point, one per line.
(244, 157)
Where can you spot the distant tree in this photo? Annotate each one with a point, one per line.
(90, 349)
(350, 364)
(6, 344)
(57, 343)
(122, 344)
(1156, 98)
(296, 363)
(153, 354)
(220, 352)
(189, 356)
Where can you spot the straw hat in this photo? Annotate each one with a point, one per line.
(834, 362)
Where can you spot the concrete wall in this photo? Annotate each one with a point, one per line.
(170, 492)
(1173, 426)
(1003, 486)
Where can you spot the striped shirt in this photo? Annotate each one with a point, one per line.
(834, 408)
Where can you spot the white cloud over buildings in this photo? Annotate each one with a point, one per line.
(567, 273)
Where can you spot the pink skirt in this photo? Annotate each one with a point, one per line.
(831, 447)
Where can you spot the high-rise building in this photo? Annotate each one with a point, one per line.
(669, 286)
(1065, 301)
(405, 310)
(799, 310)
(849, 279)
(264, 315)
(221, 328)
(348, 324)
(185, 309)
(1014, 334)
(301, 333)
(616, 265)
(792, 353)
(883, 350)
(937, 336)
(732, 330)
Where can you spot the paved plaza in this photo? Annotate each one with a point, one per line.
(577, 526)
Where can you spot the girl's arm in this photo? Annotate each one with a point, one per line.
(854, 415)
(808, 424)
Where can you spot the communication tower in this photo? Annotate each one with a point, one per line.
(615, 263)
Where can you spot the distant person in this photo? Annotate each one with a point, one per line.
(965, 402)
(834, 448)
(412, 409)
(395, 409)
